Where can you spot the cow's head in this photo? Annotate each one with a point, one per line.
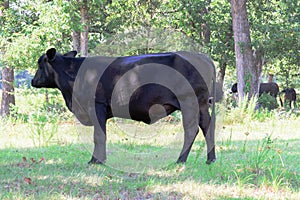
(234, 88)
(45, 75)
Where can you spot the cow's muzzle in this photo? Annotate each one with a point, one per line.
(34, 83)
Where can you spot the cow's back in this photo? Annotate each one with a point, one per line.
(271, 88)
(197, 69)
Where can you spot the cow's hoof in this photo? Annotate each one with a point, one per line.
(209, 161)
(95, 161)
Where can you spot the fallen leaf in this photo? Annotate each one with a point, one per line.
(27, 180)
(42, 159)
(109, 176)
(33, 160)
(247, 133)
(279, 151)
(24, 159)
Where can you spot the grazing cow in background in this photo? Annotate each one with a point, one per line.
(289, 94)
(270, 88)
(143, 88)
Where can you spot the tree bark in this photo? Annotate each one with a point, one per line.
(76, 40)
(247, 74)
(85, 32)
(221, 73)
(8, 91)
(205, 26)
(270, 78)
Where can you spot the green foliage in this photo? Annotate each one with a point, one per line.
(43, 127)
(37, 25)
(30, 27)
(244, 112)
(176, 116)
(263, 166)
(275, 32)
(267, 101)
(42, 116)
(248, 81)
(262, 115)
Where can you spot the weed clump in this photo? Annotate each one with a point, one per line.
(267, 101)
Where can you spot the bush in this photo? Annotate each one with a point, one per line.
(32, 101)
(43, 127)
(243, 113)
(267, 101)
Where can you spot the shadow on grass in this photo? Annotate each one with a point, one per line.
(266, 166)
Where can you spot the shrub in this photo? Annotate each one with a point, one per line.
(244, 112)
(43, 127)
(267, 101)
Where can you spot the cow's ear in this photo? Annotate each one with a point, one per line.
(71, 54)
(51, 54)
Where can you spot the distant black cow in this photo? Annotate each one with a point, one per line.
(271, 88)
(289, 95)
(143, 88)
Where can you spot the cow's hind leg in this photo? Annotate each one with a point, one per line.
(204, 123)
(191, 128)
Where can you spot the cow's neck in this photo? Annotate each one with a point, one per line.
(67, 94)
(67, 78)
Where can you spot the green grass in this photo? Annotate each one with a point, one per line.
(258, 156)
(255, 161)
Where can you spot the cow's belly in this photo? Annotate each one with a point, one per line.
(151, 114)
(149, 103)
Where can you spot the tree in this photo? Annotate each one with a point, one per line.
(275, 33)
(27, 29)
(221, 43)
(247, 73)
(8, 91)
(86, 17)
(84, 33)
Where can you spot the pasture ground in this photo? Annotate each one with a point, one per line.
(257, 160)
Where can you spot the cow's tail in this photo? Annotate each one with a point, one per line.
(213, 111)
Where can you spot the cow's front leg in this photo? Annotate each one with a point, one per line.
(99, 154)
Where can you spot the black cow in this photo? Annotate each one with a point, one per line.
(289, 95)
(143, 88)
(271, 88)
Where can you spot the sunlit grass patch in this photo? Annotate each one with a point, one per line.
(255, 160)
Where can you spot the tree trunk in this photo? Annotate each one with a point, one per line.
(221, 73)
(247, 74)
(8, 91)
(270, 78)
(205, 26)
(85, 32)
(76, 40)
(259, 61)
